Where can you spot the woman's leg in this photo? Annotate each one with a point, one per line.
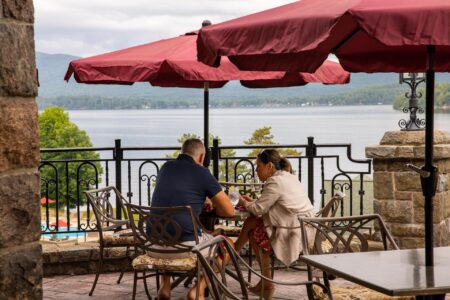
(247, 228)
(201, 290)
(264, 264)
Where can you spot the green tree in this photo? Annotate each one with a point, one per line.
(57, 131)
(263, 136)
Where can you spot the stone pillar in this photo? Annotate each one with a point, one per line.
(20, 251)
(397, 191)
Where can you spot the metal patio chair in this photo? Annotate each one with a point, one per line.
(157, 233)
(106, 222)
(341, 235)
(218, 275)
(329, 210)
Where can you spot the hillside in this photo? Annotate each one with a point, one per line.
(53, 90)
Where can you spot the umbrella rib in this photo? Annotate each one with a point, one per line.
(344, 41)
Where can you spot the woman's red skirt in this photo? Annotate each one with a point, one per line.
(261, 237)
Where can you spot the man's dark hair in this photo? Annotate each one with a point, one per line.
(193, 147)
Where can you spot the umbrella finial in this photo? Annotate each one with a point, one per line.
(206, 23)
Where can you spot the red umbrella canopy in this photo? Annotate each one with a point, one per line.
(44, 200)
(366, 36)
(329, 73)
(61, 223)
(173, 63)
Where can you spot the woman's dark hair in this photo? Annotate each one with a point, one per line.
(273, 156)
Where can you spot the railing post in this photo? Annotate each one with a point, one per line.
(311, 152)
(215, 158)
(118, 156)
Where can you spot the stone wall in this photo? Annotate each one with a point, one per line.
(81, 258)
(397, 191)
(20, 251)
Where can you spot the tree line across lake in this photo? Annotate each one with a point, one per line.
(371, 95)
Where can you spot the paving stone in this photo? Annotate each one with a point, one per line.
(78, 287)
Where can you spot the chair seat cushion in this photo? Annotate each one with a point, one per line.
(123, 237)
(355, 292)
(228, 230)
(146, 262)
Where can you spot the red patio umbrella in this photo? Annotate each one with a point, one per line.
(44, 200)
(173, 63)
(365, 35)
(61, 223)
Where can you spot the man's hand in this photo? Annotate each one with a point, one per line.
(208, 205)
(222, 205)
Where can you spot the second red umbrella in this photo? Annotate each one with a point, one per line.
(173, 63)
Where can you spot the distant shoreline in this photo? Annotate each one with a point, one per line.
(231, 107)
(440, 110)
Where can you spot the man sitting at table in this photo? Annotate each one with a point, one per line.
(185, 181)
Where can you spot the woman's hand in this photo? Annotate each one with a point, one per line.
(244, 199)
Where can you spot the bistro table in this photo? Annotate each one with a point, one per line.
(394, 273)
(208, 219)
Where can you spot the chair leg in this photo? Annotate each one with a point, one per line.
(134, 284)
(272, 263)
(309, 288)
(127, 255)
(250, 262)
(120, 277)
(326, 281)
(188, 280)
(158, 284)
(179, 279)
(146, 286)
(99, 270)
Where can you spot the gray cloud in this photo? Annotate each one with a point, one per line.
(88, 27)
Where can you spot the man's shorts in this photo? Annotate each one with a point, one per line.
(201, 239)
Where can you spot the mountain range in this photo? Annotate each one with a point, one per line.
(53, 90)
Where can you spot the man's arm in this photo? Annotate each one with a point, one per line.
(222, 205)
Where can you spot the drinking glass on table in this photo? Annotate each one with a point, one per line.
(233, 194)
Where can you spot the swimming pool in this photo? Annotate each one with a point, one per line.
(51, 235)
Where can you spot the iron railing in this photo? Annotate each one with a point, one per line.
(323, 168)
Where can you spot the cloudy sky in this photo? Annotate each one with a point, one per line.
(88, 27)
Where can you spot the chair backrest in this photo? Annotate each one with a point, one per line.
(343, 234)
(100, 201)
(219, 276)
(331, 207)
(157, 229)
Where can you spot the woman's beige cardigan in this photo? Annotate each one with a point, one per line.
(282, 200)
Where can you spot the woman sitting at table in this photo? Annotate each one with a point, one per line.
(282, 200)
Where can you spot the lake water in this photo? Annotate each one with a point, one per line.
(357, 125)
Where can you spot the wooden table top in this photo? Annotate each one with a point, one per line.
(394, 273)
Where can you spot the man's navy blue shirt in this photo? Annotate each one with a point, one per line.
(183, 182)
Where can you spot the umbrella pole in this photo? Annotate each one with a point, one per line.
(206, 122)
(429, 182)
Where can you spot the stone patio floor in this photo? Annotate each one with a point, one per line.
(77, 287)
